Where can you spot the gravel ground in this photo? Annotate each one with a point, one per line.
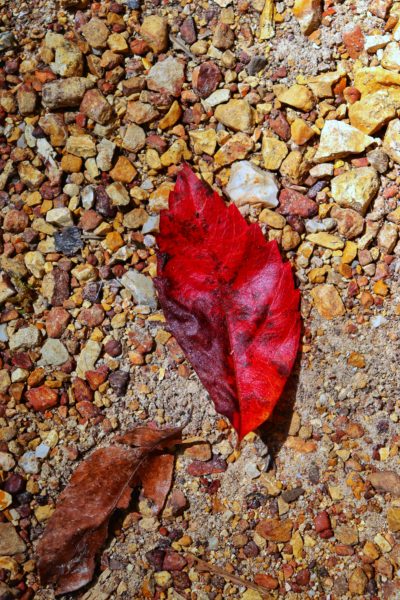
(309, 506)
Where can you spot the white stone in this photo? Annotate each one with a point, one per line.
(59, 216)
(29, 463)
(217, 97)
(87, 197)
(118, 193)
(105, 149)
(28, 337)
(6, 461)
(88, 357)
(35, 262)
(391, 57)
(391, 141)
(374, 42)
(339, 139)
(322, 170)
(249, 184)
(54, 353)
(141, 287)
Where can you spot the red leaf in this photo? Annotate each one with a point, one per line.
(78, 528)
(156, 477)
(229, 300)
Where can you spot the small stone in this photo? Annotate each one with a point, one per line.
(308, 13)
(356, 188)
(326, 240)
(65, 93)
(177, 152)
(118, 193)
(96, 33)
(393, 518)
(106, 150)
(68, 241)
(134, 138)
(10, 541)
(35, 263)
(135, 219)
(140, 112)
(350, 223)
(251, 595)
(5, 500)
(203, 141)
(163, 579)
(372, 112)
(272, 219)
(141, 287)
(391, 141)
(236, 114)
(275, 530)
(167, 76)
(30, 176)
(298, 96)
(301, 132)
(172, 116)
(339, 139)
(68, 60)
(88, 357)
(56, 322)
(71, 163)
(26, 99)
(273, 152)
(201, 451)
(358, 581)
(386, 482)
(42, 398)
(236, 148)
(327, 301)
(387, 237)
(123, 171)
(292, 202)
(117, 43)
(54, 126)
(353, 39)
(15, 221)
(372, 43)
(154, 30)
(223, 37)
(95, 106)
(81, 145)
(6, 463)
(25, 338)
(205, 78)
(249, 184)
(59, 216)
(53, 353)
(119, 381)
(346, 535)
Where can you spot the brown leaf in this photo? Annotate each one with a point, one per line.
(151, 438)
(78, 528)
(156, 477)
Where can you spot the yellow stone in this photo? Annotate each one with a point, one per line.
(380, 288)
(236, 148)
(159, 198)
(371, 79)
(393, 518)
(153, 159)
(177, 152)
(204, 141)
(117, 43)
(273, 152)
(298, 96)
(318, 274)
(123, 171)
(292, 167)
(339, 139)
(236, 114)
(308, 13)
(327, 301)
(118, 320)
(114, 241)
(267, 30)
(326, 240)
(251, 595)
(272, 219)
(297, 545)
(372, 112)
(321, 85)
(371, 551)
(349, 252)
(172, 116)
(42, 513)
(71, 163)
(301, 132)
(5, 500)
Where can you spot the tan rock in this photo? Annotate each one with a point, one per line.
(308, 13)
(140, 112)
(273, 152)
(393, 518)
(96, 33)
(301, 132)
(372, 112)
(355, 188)
(327, 301)
(159, 198)
(29, 175)
(357, 582)
(293, 166)
(65, 93)
(95, 106)
(275, 530)
(387, 237)
(391, 57)
(321, 85)
(135, 218)
(117, 43)
(272, 219)
(339, 139)
(236, 148)
(118, 193)
(155, 31)
(391, 141)
(177, 152)
(71, 163)
(298, 96)
(236, 114)
(81, 145)
(371, 79)
(350, 222)
(203, 141)
(123, 170)
(54, 126)
(326, 240)
(172, 116)
(134, 138)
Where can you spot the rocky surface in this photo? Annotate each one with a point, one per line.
(289, 109)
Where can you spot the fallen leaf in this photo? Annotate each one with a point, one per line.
(156, 477)
(229, 301)
(78, 528)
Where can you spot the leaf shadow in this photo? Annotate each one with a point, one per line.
(274, 432)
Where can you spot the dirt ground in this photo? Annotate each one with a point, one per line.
(296, 512)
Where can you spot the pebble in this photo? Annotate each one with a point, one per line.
(10, 542)
(339, 139)
(235, 114)
(141, 287)
(65, 93)
(327, 301)
(249, 184)
(68, 241)
(356, 188)
(53, 353)
(167, 76)
(27, 337)
(29, 463)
